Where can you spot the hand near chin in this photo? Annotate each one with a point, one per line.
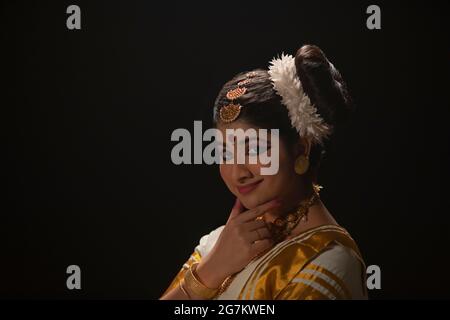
(241, 240)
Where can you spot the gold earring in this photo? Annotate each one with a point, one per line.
(301, 164)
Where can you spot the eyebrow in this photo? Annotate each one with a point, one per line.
(258, 139)
(247, 140)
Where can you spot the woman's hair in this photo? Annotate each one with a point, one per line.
(262, 106)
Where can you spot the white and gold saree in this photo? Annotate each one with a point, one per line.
(320, 263)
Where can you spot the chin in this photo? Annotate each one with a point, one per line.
(251, 201)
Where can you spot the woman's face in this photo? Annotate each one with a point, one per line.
(245, 180)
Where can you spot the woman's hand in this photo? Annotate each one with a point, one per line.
(242, 239)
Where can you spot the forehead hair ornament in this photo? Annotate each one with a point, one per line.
(302, 113)
(231, 111)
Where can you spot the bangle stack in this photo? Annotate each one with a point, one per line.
(195, 286)
(182, 284)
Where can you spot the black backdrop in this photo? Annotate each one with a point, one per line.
(87, 117)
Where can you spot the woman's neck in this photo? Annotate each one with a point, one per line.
(290, 201)
(317, 214)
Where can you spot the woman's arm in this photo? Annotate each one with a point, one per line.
(207, 273)
(242, 238)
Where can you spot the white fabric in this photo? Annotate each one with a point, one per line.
(208, 241)
(342, 262)
(339, 260)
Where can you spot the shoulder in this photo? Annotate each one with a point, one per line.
(337, 269)
(208, 241)
(325, 258)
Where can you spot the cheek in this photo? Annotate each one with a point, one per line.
(255, 169)
(225, 173)
(286, 172)
(286, 163)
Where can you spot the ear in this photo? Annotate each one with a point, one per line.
(302, 147)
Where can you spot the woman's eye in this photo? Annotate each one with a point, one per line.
(227, 155)
(255, 150)
(252, 151)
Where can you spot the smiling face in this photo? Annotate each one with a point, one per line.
(245, 180)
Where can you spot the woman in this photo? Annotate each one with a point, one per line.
(280, 241)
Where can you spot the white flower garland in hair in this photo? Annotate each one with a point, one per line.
(303, 115)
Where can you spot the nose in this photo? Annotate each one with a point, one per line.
(240, 173)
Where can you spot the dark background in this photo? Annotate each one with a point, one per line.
(87, 117)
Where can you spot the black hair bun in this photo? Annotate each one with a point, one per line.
(324, 85)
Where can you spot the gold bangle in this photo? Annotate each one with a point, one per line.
(194, 285)
(184, 289)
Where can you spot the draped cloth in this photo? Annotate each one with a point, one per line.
(320, 263)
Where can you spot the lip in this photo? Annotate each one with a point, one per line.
(248, 187)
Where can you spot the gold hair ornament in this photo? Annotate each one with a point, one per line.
(231, 111)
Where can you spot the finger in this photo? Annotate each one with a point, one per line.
(236, 210)
(262, 245)
(259, 234)
(264, 233)
(258, 211)
(254, 224)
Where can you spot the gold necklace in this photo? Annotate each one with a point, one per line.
(283, 226)
(280, 229)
